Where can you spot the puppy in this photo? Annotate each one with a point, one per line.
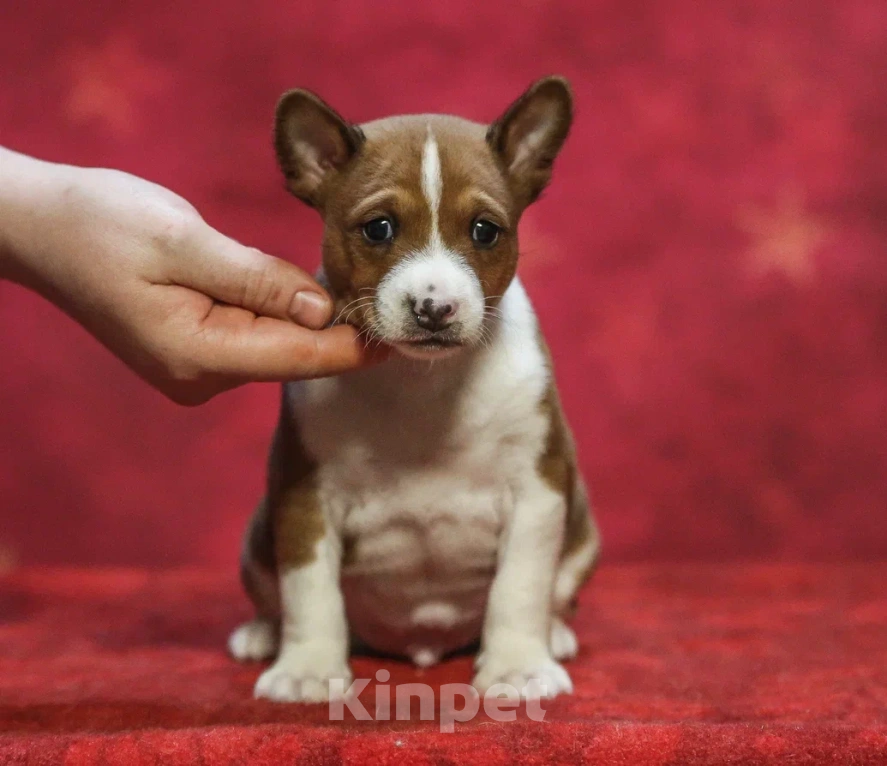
(433, 500)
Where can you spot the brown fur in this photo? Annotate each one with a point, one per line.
(388, 169)
(258, 562)
(288, 523)
(558, 465)
(548, 99)
(311, 139)
(292, 495)
(340, 168)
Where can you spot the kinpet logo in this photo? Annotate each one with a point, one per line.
(458, 702)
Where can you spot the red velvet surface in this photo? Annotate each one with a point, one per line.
(740, 664)
(709, 264)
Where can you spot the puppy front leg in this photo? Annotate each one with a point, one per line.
(314, 634)
(515, 642)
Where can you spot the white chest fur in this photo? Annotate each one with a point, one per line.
(417, 463)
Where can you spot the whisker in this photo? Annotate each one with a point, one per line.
(350, 313)
(342, 312)
(370, 333)
(352, 307)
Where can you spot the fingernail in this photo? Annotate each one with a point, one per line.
(311, 310)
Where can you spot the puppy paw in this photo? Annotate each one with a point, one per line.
(535, 678)
(304, 674)
(253, 641)
(562, 641)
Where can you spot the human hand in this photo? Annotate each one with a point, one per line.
(191, 311)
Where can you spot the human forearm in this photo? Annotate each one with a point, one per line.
(187, 308)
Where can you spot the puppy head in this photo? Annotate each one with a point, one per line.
(421, 211)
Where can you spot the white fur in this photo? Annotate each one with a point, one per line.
(434, 272)
(529, 147)
(564, 645)
(435, 614)
(432, 184)
(314, 635)
(430, 471)
(516, 634)
(540, 677)
(561, 641)
(572, 571)
(452, 279)
(254, 640)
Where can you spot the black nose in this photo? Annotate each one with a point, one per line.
(433, 316)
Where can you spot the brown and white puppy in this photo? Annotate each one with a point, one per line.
(432, 500)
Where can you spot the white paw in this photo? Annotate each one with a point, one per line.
(304, 673)
(540, 679)
(562, 641)
(253, 641)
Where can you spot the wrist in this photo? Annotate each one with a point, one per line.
(30, 195)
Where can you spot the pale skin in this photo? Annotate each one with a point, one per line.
(191, 311)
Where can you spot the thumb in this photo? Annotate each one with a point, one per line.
(245, 277)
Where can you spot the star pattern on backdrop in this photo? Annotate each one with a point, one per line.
(110, 82)
(784, 238)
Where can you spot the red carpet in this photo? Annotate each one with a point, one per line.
(710, 267)
(710, 263)
(679, 664)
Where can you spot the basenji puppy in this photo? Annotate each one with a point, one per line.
(431, 502)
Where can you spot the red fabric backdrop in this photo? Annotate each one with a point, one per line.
(709, 264)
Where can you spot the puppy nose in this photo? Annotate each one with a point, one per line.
(434, 315)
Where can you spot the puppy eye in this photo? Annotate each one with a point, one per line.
(484, 233)
(378, 231)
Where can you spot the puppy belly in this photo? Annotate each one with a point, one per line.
(417, 618)
(418, 563)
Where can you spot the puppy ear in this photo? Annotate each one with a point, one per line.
(313, 143)
(530, 134)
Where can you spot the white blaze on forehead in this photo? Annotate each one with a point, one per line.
(431, 271)
(432, 183)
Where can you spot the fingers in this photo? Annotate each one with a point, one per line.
(250, 348)
(242, 276)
